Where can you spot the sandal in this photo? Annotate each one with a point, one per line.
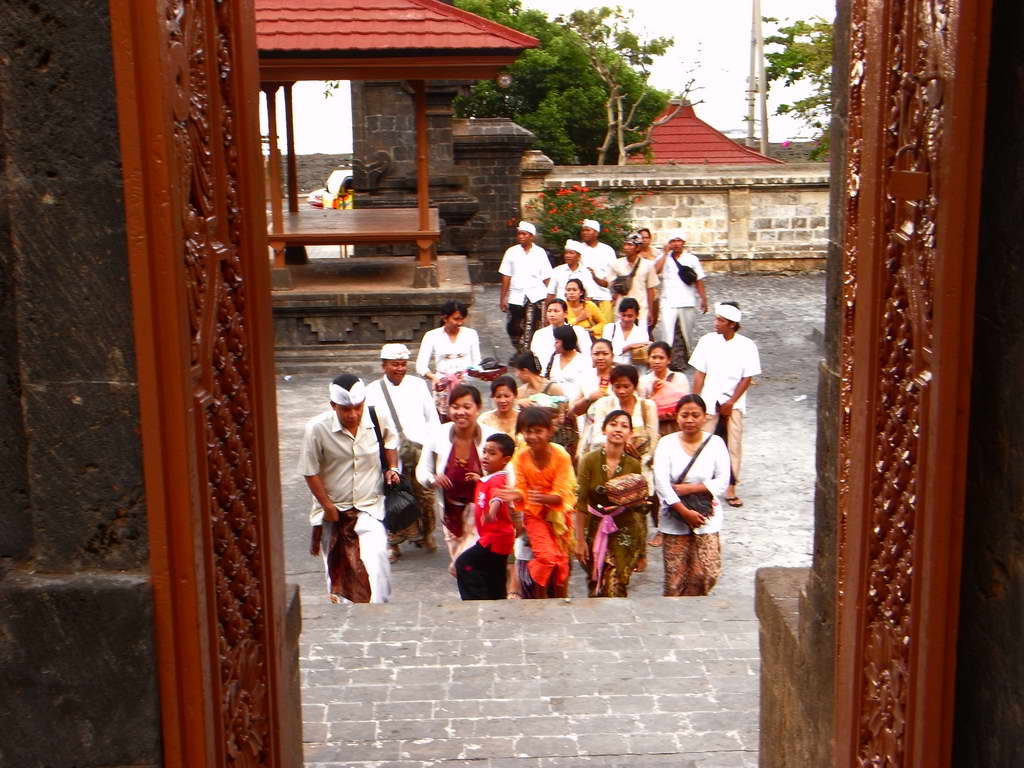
(641, 565)
(734, 501)
(655, 540)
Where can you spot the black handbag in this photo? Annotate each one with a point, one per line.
(700, 502)
(686, 273)
(400, 508)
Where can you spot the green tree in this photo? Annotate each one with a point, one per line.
(622, 60)
(555, 92)
(805, 56)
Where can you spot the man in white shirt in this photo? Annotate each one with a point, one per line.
(525, 272)
(682, 285)
(341, 463)
(726, 362)
(543, 343)
(598, 258)
(572, 268)
(642, 278)
(407, 400)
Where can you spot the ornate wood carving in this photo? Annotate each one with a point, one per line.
(201, 40)
(187, 90)
(911, 206)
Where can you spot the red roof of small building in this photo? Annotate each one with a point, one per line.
(688, 140)
(375, 26)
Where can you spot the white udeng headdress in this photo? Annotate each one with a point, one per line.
(729, 312)
(347, 397)
(594, 224)
(573, 245)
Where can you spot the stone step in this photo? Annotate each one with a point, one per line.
(599, 682)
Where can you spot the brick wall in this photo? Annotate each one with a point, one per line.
(737, 218)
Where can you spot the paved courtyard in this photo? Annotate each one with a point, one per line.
(430, 681)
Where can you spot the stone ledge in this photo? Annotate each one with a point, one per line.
(78, 670)
(792, 703)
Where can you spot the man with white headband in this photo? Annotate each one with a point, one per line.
(726, 362)
(598, 259)
(682, 287)
(407, 400)
(341, 464)
(525, 272)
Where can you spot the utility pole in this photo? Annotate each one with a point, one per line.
(752, 88)
(762, 81)
(757, 87)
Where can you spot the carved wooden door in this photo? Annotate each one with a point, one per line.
(187, 105)
(916, 113)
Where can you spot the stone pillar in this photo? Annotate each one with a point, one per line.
(739, 222)
(78, 680)
(536, 168)
(490, 150)
(384, 158)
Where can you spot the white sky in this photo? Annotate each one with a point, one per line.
(712, 39)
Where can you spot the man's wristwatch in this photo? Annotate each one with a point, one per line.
(393, 469)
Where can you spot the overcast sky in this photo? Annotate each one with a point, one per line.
(712, 39)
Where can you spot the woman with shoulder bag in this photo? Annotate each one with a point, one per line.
(663, 386)
(691, 473)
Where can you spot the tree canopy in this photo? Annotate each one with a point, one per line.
(805, 56)
(559, 93)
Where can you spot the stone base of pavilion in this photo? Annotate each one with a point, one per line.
(342, 310)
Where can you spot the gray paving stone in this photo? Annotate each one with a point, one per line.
(403, 730)
(544, 746)
(603, 744)
(401, 710)
(352, 730)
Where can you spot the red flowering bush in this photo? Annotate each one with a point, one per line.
(558, 214)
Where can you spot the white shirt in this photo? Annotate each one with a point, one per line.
(543, 343)
(348, 465)
(448, 356)
(674, 292)
(613, 332)
(571, 376)
(600, 258)
(562, 274)
(528, 270)
(413, 403)
(724, 363)
(711, 468)
(645, 277)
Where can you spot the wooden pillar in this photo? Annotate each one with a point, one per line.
(293, 176)
(422, 169)
(276, 215)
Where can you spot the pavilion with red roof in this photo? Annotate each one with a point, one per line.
(688, 140)
(414, 40)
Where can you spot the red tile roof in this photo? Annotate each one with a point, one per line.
(688, 140)
(375, 26)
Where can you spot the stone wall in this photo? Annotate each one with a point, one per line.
(737, 218)
(77, 665)
(989, 716)
(796, 606)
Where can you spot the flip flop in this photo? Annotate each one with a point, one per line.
(734, 501)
